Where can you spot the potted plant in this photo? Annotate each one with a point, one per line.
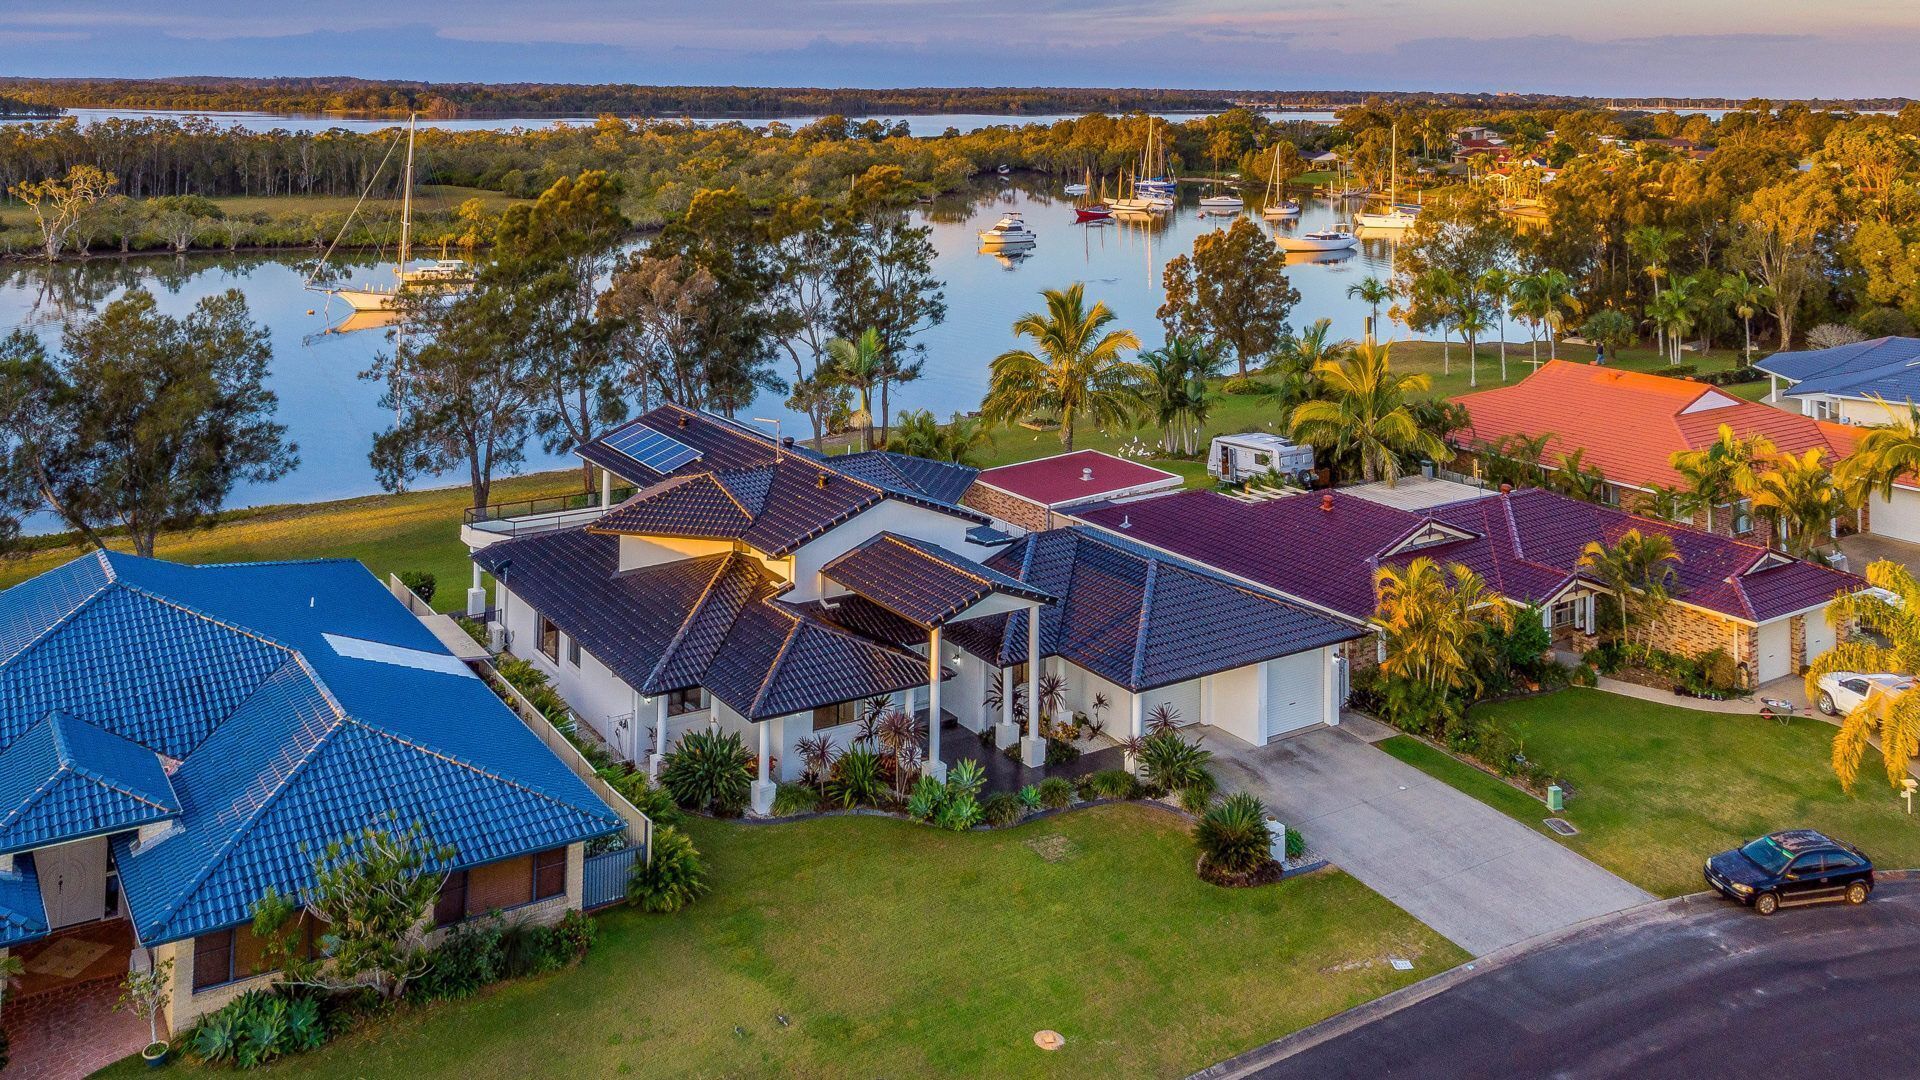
(146, 993)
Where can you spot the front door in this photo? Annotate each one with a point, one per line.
(73, 881)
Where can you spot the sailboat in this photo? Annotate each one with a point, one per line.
(1094, 210)
(1278, 206)
(441, 274)
(1395, 217)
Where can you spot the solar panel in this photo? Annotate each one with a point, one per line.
(661, 453)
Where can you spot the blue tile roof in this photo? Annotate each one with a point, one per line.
(23, 916)
(942, 481)
(66, 779)
(1887, 367)
(921, 582)
(1140, 618)
(286, 743)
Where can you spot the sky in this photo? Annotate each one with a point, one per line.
(1730, 48)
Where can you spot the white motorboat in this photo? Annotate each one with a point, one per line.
(1337, 237)
(1222, 202)
(1009, 232)
(1075, 189)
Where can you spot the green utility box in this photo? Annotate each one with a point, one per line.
(1556, 799)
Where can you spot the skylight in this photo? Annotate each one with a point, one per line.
(381, 653)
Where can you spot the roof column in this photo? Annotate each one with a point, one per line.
(934, 766)
(659, 736)
(1136, 726)
(606, 488)
(476, 594)
(1007, 730)
(763, 788)
(1033, 748)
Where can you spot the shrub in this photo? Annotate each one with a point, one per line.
(1296, 844)
(419, 582)
(1061, 752)
(572, 936)
(1719, 672)
(709, 771)
(1583, 675)
(1111, 784)
(467, 959)
(1171, 762)
(1029, 797)
(858, 780)
(927, 798)
(1195, 798)
(1232, 835)
(1241, 384)
(960, 812)
(672, 878)
(1002, 808)
(650, 799)
(795, 799)
(1055, 793)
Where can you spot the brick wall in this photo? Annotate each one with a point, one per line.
(1797, 647)
(1690, 632)
(1012, 509)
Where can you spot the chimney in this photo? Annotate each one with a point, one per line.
(1326, 503)
(822, 481)
(1086, 475)
(1506, 489)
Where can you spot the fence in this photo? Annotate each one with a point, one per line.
(605, 877)
(550, 504)
(639, 826)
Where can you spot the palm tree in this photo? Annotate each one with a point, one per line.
(1471, 321)
(1797, 494)
(1650, 244)
(1558, 307)
(1372, 292)
(1576, 479)
(1722, 472)
(1431, 620)
(1174, 391)
(1661, 501)
(859, 364)
(1498, 285)
(1890, 611)
(1077, 367)
(1529, 304)
(959, 440)
(1366, 413)
(1746, 297)
(1672, 315)
(1638, 569)
(1882, 455)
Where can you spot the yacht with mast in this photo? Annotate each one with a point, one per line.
(1395, 217)
(1276, 205)
(438, 274)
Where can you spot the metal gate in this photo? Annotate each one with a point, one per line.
(604, 876)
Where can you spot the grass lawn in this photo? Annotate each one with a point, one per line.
(1655, 789)
(1491, 790)
(896, 950)
(419, 530)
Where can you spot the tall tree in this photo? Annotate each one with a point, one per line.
(1076, 366)
(886, 280)
(1366, 414)
(1174, 392)
(143, 422)
(859, 364)
(1746, 297)
(1372, 292)
(1882, 455)
(1784, 233)
(658, 313)
(1723, 471)
(1432, 619)
(1796, 494)
(1441, 267)
(721, 234)
(60, 204)
(1232, 294)
(813, 241)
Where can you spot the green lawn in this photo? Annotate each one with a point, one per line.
(895, 950)
(1655, 789)
(1488, 789)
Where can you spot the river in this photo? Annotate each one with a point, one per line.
(333, 414)
(918, 124)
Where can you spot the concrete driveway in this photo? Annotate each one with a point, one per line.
(1480, 878)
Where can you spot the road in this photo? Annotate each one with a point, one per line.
(1695, 988)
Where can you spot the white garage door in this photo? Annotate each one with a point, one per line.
(1294, 692)
(1820, 635)
(1776, 650)
(1898, 517)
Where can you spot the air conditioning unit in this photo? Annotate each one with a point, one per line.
(498, 638)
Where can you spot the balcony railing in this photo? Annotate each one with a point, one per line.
(501, 516)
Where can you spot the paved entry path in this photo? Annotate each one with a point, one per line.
(1477, 876)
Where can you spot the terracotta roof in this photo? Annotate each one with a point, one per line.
(1630, 423)
(1076, 477)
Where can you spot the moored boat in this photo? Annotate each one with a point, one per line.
(1222, 202)
(1010, 231)
(1337, 237)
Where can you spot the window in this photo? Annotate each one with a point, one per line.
(213, 959)
(1840, 860)
(1262, 460)
(1805, 865)
(1566, 613)
(830, 716)
(549, 873)
(680, 702)
(573, 651)
(547, 636)
(1742, 517)
(223, 956)
(451, 905)
(500, 885)
(1824, 409)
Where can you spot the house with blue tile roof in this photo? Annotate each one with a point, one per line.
(176, 741)
(1861, 384)
(752, 585)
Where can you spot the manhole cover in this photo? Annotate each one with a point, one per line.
(1049, 1040)
(1561, 826)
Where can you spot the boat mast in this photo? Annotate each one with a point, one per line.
(406, 203)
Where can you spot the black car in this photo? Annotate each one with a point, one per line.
(1798, 866)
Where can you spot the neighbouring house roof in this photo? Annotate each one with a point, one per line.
(1629, 423)
(709, 621)
(66, 779)
(1526, 545)
(1081, 476)
(921, 582)
(303, 704)
(730, 483)
(23, 915)
(1884, 367)
(1139, 618)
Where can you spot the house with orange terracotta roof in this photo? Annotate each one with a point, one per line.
(1629, 424)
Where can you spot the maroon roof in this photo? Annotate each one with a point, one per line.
(1526, 546)
(1075, 477)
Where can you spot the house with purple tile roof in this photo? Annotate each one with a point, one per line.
(1766, 609)
(751, 585)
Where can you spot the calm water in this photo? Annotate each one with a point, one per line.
(333, 414)
(917, 124)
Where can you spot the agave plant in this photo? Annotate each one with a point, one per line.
(967, 778)
(1232, 835)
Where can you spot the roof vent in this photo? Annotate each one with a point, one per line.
(1126, 521)
(1326, 503)
(1086, 475)
(685, 420)
(787, 442)
(1506, 489)
(822, 481)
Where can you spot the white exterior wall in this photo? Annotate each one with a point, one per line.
(1821, 635)
(638, 551)
(595, 694)
(964, 694)
(1774, 649)
(889, 515)
(1184, 698)
(1897, 517)
(1237, 700)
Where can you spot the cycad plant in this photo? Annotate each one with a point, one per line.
(1232, 836)
(1891, 616)
(709, 771)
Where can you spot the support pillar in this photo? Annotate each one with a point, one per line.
(763, 787)
(1136, 726)
(476, 594)
(934, 766)
(1033, 748)
(659, 736)
(1007, 731)
(606, 488)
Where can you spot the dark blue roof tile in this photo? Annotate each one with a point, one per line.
(921, 582)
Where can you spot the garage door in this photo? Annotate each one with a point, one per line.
(1820, 635)
(1898, 517)
(1776, 650)
(1294, 692)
